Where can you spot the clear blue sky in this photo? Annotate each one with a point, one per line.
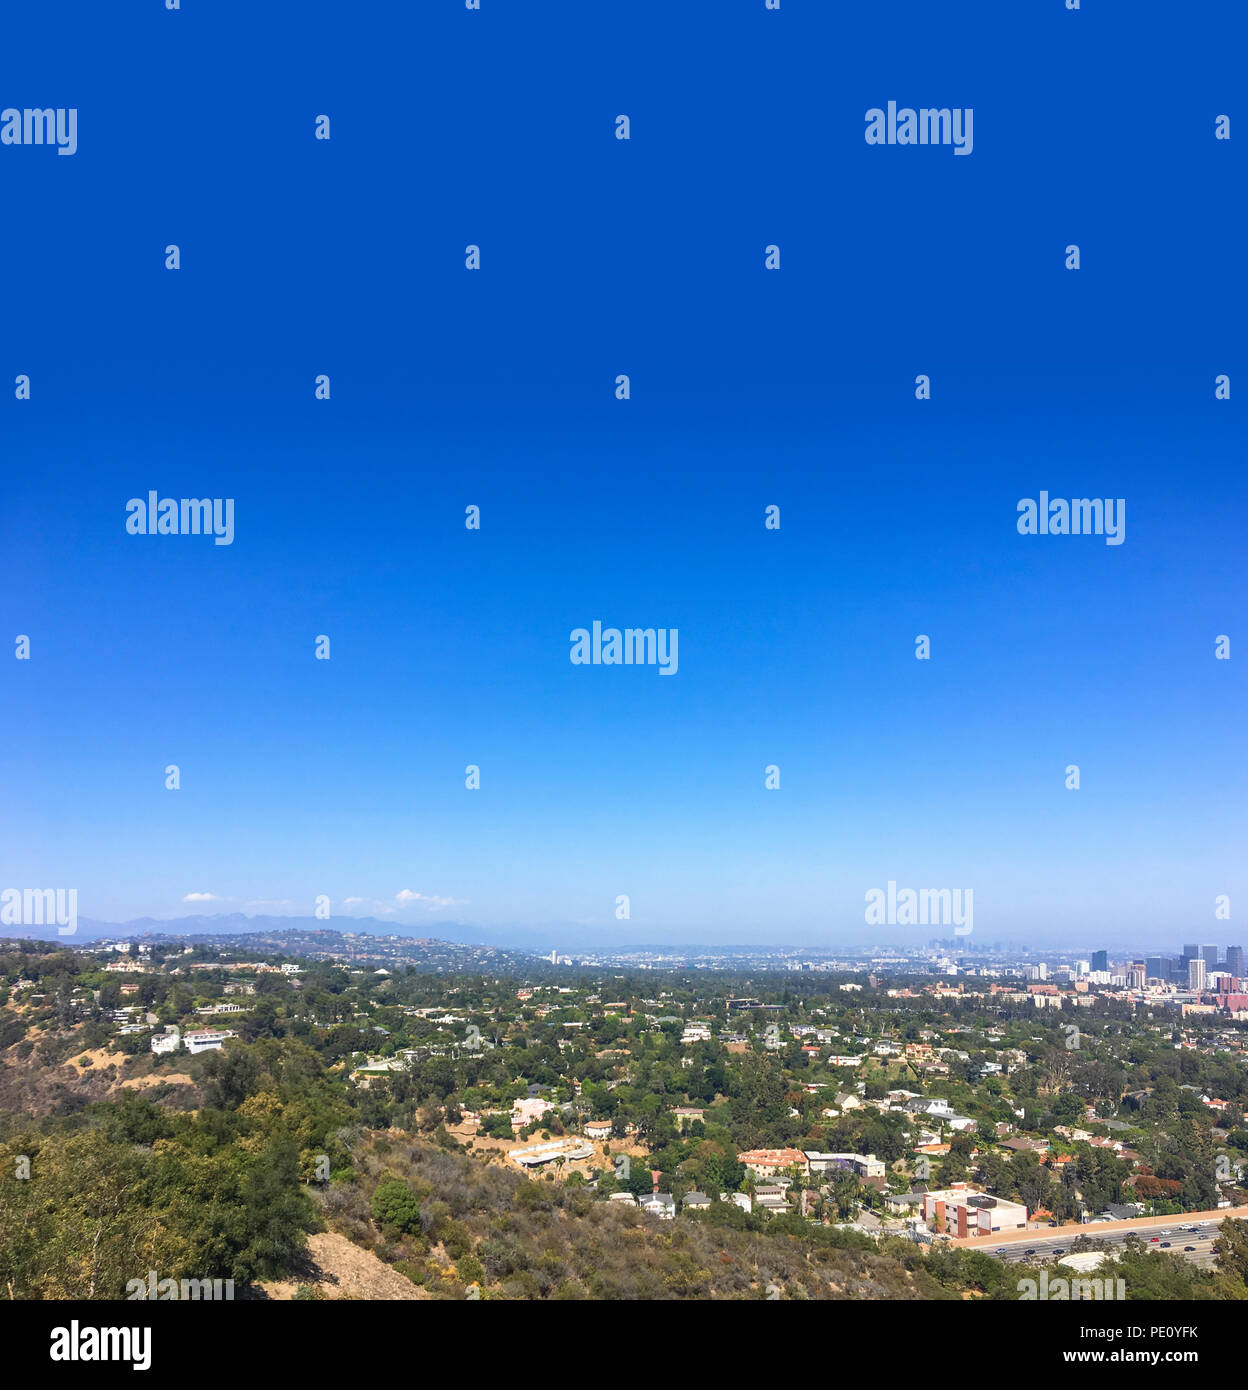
(749, 388)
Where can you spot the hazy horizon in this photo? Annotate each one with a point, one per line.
(559, 937)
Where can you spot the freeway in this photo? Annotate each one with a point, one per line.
(1195, 1245)
(1191, 1235)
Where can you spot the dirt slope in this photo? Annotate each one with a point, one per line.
(344, 1270)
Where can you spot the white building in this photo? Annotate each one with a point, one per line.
(960, 1211)
(569, 1149)
(865, 1165)
(935, 1106)
(206, 1039)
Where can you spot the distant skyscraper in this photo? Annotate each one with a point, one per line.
(1235, 961)
(1196, 973)
(1190, 953)
(1100, 960)
(1136, 975)
(1156, 967)
(1209, 954)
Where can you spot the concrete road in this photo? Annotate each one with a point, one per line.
(1191, 1236)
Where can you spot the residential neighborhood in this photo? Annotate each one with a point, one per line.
(908, 1113)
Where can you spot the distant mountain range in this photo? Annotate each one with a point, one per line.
(307, 937)
(238, 923)
(569, 938)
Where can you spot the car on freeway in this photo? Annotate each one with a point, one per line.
(1188, 1248)
(1165, 1245)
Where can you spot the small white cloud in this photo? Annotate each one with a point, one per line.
(426, 901)
(201, 898)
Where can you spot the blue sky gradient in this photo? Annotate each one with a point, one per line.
(749, 388)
